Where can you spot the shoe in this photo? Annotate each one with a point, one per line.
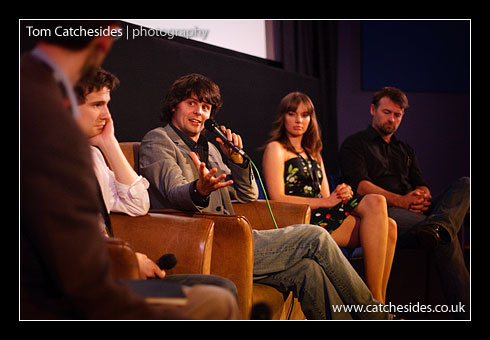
(428, 235)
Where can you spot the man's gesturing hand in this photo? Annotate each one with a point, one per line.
(207, 183)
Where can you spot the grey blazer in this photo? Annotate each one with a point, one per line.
(165, 161)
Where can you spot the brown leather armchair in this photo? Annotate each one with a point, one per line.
(232, 249)
(124, 262)
(233, 254)
(285, 214)
(190, 239)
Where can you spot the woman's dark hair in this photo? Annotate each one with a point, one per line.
(311, 141)
(184, 87)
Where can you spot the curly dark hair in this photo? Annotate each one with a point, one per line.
(94, 82)
(204, 88)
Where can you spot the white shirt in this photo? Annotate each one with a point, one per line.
(118, 197)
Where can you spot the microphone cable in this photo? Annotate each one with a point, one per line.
(212, 126)
(265, 193)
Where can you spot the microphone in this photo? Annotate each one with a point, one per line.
(167, 261)
(211, 125)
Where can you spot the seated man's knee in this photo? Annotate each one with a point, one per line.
(211, 303)
(310, 268)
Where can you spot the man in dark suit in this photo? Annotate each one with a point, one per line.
(65, 270)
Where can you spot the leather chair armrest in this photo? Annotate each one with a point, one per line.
(233, 254)
(131, 152)
(286, 214)
(190, 239)
(124, 261)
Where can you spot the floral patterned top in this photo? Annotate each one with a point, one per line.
(300, 179)
(303, 177)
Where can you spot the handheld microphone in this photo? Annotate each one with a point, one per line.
(167, 261)
(211, 125)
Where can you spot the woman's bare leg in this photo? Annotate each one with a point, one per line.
(390, 252)
(372, 235)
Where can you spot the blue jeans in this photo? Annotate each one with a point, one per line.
(306, 260)
(448, 210)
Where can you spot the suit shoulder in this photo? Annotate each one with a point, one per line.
(159, 131)
(157, 135)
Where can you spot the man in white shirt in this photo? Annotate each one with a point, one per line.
(122, 189)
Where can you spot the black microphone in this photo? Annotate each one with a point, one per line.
(167, 261)
(211, 125)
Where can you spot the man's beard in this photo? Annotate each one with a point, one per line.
(386, 129)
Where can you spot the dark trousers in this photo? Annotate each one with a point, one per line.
(447, 210)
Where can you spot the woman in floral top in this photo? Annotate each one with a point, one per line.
(294, 172)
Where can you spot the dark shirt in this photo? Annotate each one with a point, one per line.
(392, 166)
(201, 147)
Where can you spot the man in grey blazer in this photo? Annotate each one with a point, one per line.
(177, 179)
(186, 172)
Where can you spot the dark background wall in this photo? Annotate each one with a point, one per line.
(347, 61)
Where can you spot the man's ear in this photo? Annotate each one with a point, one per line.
(372, 109)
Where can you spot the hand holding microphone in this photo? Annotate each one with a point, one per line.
(157, 270)
(148, 268)
(231, 143)
(167, 261)
(234, 152)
